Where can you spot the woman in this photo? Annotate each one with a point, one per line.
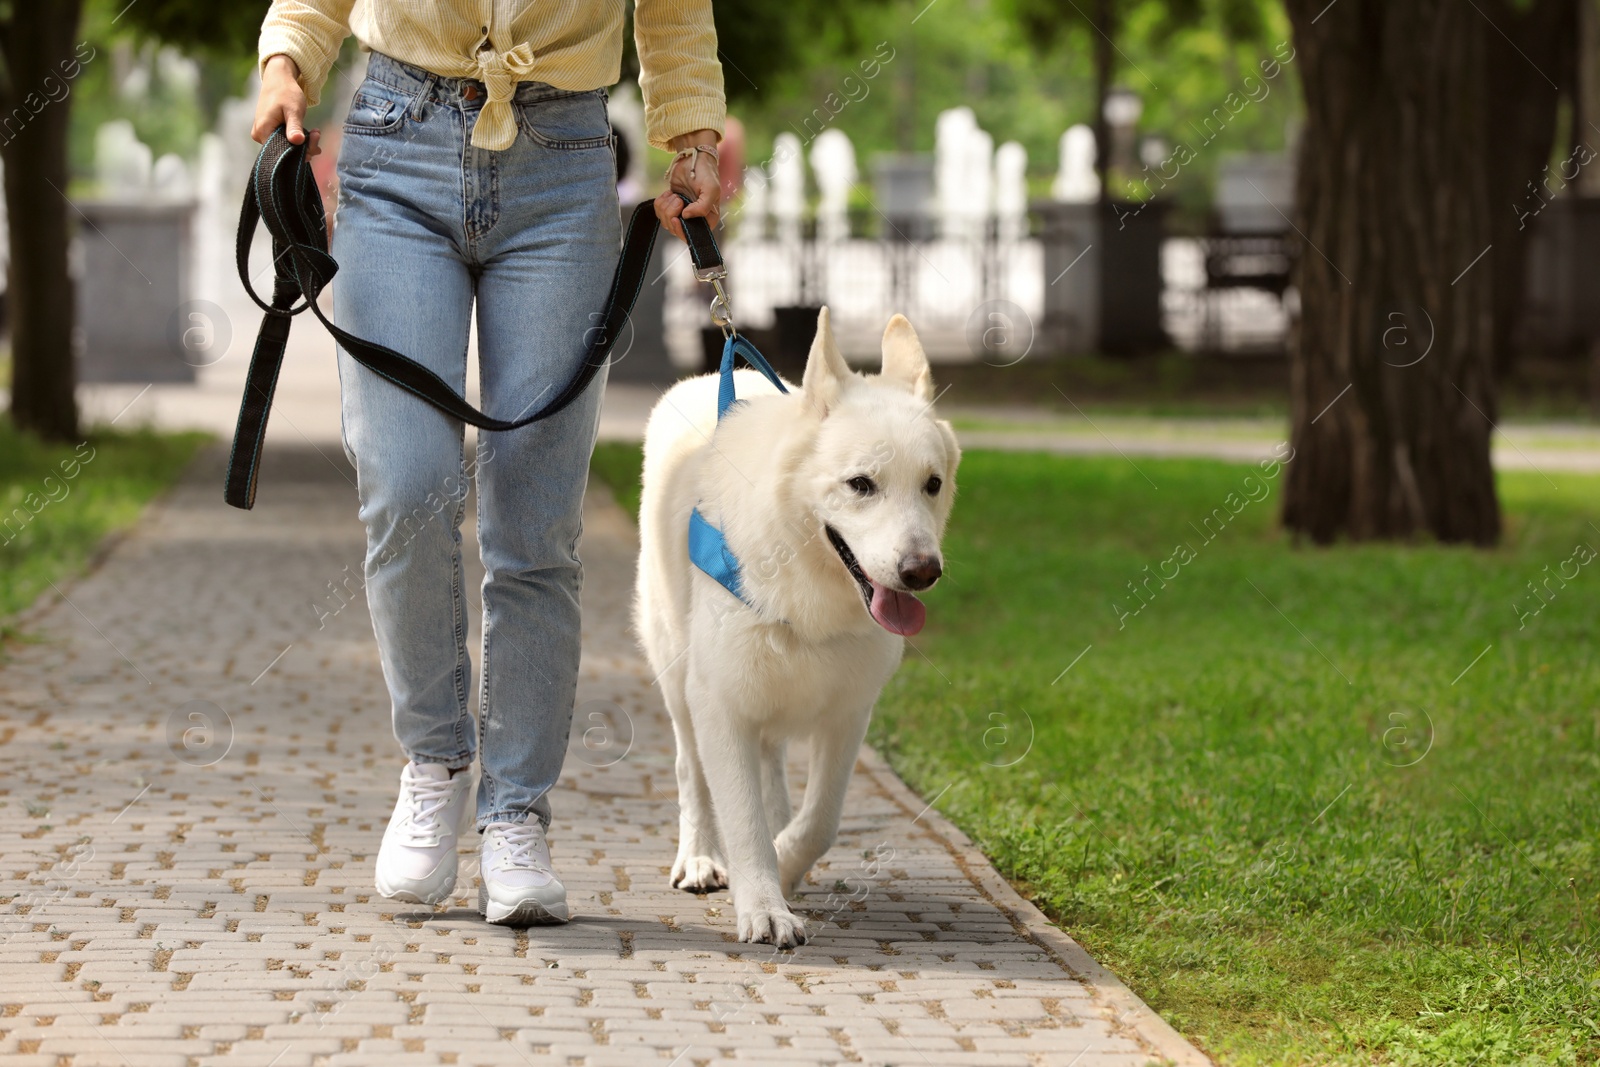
(476, 177)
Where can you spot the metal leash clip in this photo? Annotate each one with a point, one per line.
(721, 306)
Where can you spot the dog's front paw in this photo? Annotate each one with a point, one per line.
(698, 874)
(772, 926)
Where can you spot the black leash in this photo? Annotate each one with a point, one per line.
(283, 194)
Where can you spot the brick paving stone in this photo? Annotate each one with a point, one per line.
(199, 766)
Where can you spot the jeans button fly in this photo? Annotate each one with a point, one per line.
(470, 92)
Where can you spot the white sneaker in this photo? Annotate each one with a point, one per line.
(519, 888)
(417, 860)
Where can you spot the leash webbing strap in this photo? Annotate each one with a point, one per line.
(737, 345)
(283, 194)
(703, 250)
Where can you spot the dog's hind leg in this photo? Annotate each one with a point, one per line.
(697, 868)
(812, 832)
(775, 784)
(730, 752)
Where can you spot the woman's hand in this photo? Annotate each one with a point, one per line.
(282, 103)
(704, 188)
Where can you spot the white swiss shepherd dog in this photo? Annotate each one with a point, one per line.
(833, 499)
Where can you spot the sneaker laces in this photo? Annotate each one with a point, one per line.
(426, 798)
(520, 840)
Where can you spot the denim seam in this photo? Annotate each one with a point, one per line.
(494, 194)
(480, 199)
(454, 763)
(460, 114)
(458, 605)
(515, 815)
(485, 706)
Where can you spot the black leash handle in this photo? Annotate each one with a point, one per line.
(283, 194)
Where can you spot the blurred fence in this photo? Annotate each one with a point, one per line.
(1226, 294)
(1217, 294)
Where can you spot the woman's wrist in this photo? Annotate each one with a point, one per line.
(689, 140)
(281, 66)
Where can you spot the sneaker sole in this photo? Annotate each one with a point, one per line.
(417, 894)
(527, 913)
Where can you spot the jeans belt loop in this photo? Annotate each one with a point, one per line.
(423, 95)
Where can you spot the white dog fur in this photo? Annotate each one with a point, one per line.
(807, 658)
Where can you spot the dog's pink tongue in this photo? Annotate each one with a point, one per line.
(899, 613)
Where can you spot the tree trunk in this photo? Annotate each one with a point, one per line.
(1391, 377)
(1586, 98)
(1523, 73)
(37, 40)
(1104, 27)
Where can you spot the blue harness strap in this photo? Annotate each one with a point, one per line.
(708, 549)
(738, 345)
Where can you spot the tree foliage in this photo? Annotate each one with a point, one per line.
(227, 28)
(1048, 25)
(1048, 22)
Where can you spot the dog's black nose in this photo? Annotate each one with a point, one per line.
(919, 572)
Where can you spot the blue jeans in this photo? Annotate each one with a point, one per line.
(429, 231)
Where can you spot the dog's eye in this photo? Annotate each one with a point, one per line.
(933, 485)
(863, 485)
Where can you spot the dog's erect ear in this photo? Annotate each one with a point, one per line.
(904, 361)
(826, 370)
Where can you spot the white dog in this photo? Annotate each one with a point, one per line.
(832, 500)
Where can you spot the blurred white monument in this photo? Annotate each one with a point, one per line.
(123, 166)
(1011, 191)
(235, 118)
(979, 182)
(833, 161)
(177, 71)
(1070, 229)
(950, 132)
(169, 178)
(216, 189)
(963, 156)
(122, 162)
(788, 185)
(1076, 181)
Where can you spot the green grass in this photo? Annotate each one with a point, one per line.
(57, 502)
(1245, 814)
(617, 464)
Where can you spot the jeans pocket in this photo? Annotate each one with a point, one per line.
(570, 122)
(377, 109)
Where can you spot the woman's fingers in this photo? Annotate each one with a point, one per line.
(268, 118)
(669, 206)
(705, 206)
(281, 102)
(704, 190)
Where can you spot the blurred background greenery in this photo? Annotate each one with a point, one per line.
(168, 76)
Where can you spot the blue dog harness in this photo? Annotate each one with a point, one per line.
(708, 549)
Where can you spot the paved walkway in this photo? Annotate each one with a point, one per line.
(196, 775)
